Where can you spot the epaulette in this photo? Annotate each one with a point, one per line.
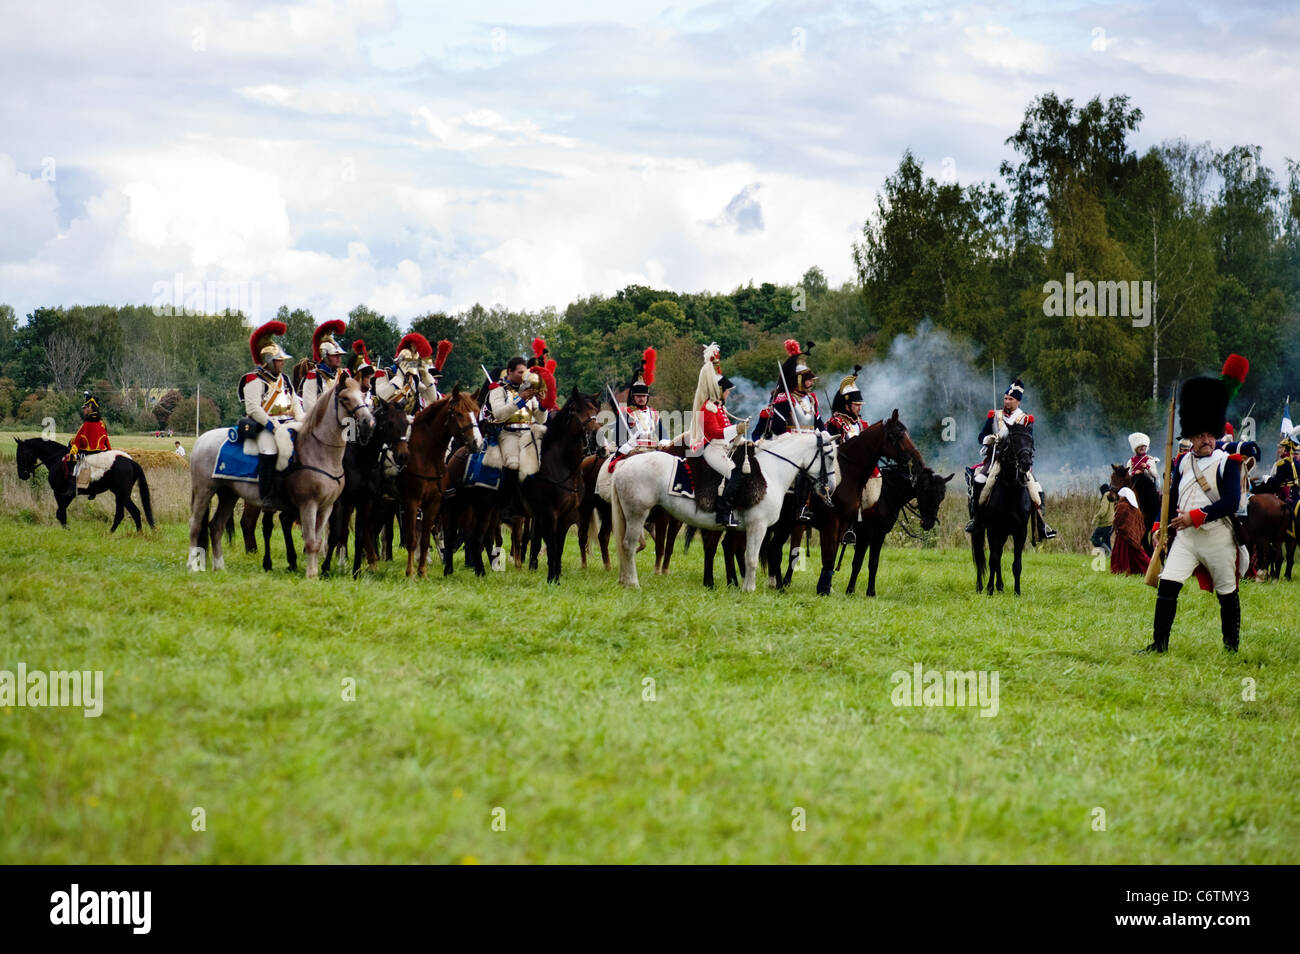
(990, 413)
(1029, 418)
(1237, 457)
(311, 374)
(494, 385)
(249, 376)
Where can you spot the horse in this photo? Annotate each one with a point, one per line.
(421, 484)
(1006, 513)
(643, 481)
(896, 493)
(552, 496)
(363, 467)
(248, 524)
(124, 474)
(1144, 488)
(663, 527)
(1270, 529)
(733, 543)
(310, 486)
(857, 459)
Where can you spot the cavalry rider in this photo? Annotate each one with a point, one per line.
(361, 368)
(712, 433)
(515, 404)
(1206, 485)
(328, 355)
(846, 408)
(90, 438)
(268, 398)
(640, 422)
(409, 382)
(1141, 462)
(1287, 470)
(794, 404)
(994, 431)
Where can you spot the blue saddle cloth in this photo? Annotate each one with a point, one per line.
(683, 480)
(477, 474)
(234, 464)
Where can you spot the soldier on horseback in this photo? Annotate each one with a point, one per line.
(712, 433)
(361, 368)
(641, 424)
(328, 355)
(991, 435)
(91, 438)
(1286, 471)
(846, 408)
(1206, 486)
(516, 405)
(269, 400)
(1141, 462)
(793, 404)
(409, 382)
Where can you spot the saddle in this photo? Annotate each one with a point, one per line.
(695, 479)
(237, 458)
(479, 474)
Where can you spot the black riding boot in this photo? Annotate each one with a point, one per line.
(1230, 619)
(1166, 607)
(1044, 531)
(511, 507)
(976, 513)
(266, 481)
(802, 495)
(726, 518)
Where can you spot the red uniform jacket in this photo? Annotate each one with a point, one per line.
(714, 423)
(91, 436)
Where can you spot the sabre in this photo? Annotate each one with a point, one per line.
(486, 375)
(785, 384)
(618, 412)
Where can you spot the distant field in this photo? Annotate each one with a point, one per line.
(670, 724)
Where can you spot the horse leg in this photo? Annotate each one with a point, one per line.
(710, 541)
(796, 535)
(753, 543)
(217, 526)
(409, 508)
(873, 564)
(309, 518)
(248, 524)
(200, 498)
(602, 535)
(426, 540)
(997, 540)
(1015, 559)
(290, 551)
(670, 541)
(268, 527)
(132, 510)
(118, 512)
(774, 547)
(828, 559)
(858, 555)
(660, 529)
(554, 544)
(732, 556)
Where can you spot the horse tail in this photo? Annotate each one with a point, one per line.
(145, 500)
(690, 535)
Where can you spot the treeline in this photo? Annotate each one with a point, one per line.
(1213, 232)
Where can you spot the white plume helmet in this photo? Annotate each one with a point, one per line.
(1138, 439)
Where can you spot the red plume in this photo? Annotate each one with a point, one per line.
(539, 347)
(791, 347)
(444, 349)
(548, 380)
(1235, 370)
(416, 341)
(270, 328)
(332, 327)
(359, 346)
(650, 356)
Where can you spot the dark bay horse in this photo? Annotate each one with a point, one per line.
(553, 495)
(120, 478)
(1006, 513)
(857, 458)
(1270, 529)
(421, 483)
(896, 494)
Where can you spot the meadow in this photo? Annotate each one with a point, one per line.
(500, 720)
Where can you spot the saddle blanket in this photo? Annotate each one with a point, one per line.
(479, 474)
(237, 460)
(683, 481)
(92, 466)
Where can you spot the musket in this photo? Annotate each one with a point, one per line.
(1152, 577)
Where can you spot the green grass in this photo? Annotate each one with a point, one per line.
(224, 691)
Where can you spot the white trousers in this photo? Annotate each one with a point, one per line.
(278, 443)
(1210, 545)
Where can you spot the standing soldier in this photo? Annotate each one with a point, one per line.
(995, 430)
(712, 433)
(408, 382)
(641, 424)
(91, 437)
(846, 408)
(268, 398)
(328, 355)
(1206, 486)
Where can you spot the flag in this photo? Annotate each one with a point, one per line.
(1286, 417)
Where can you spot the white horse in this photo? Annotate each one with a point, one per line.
(641, 482)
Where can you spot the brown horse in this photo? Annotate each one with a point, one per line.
(420, 483)
(1270, 531)
(857, 459)
(1146, 491)
(552, 496)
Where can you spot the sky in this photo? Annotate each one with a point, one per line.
(421, 157)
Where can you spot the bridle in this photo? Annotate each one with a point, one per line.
(440, 467)
(822, 480)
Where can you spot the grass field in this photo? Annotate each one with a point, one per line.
(225, 692)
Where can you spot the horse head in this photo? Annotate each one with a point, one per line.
(1017, 451)
(27, 460)
(930, 492)
(390, 423)
(898, 446)
(1119, 477)
(462, 415)
(350, 401)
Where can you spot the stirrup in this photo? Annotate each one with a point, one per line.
(727, 519)
(850, 538)
(805, 515)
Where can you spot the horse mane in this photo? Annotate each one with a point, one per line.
(570, 409)
(317, 411)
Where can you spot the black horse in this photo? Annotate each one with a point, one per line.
(1006, 514)
(898, 490)
(118, 481)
